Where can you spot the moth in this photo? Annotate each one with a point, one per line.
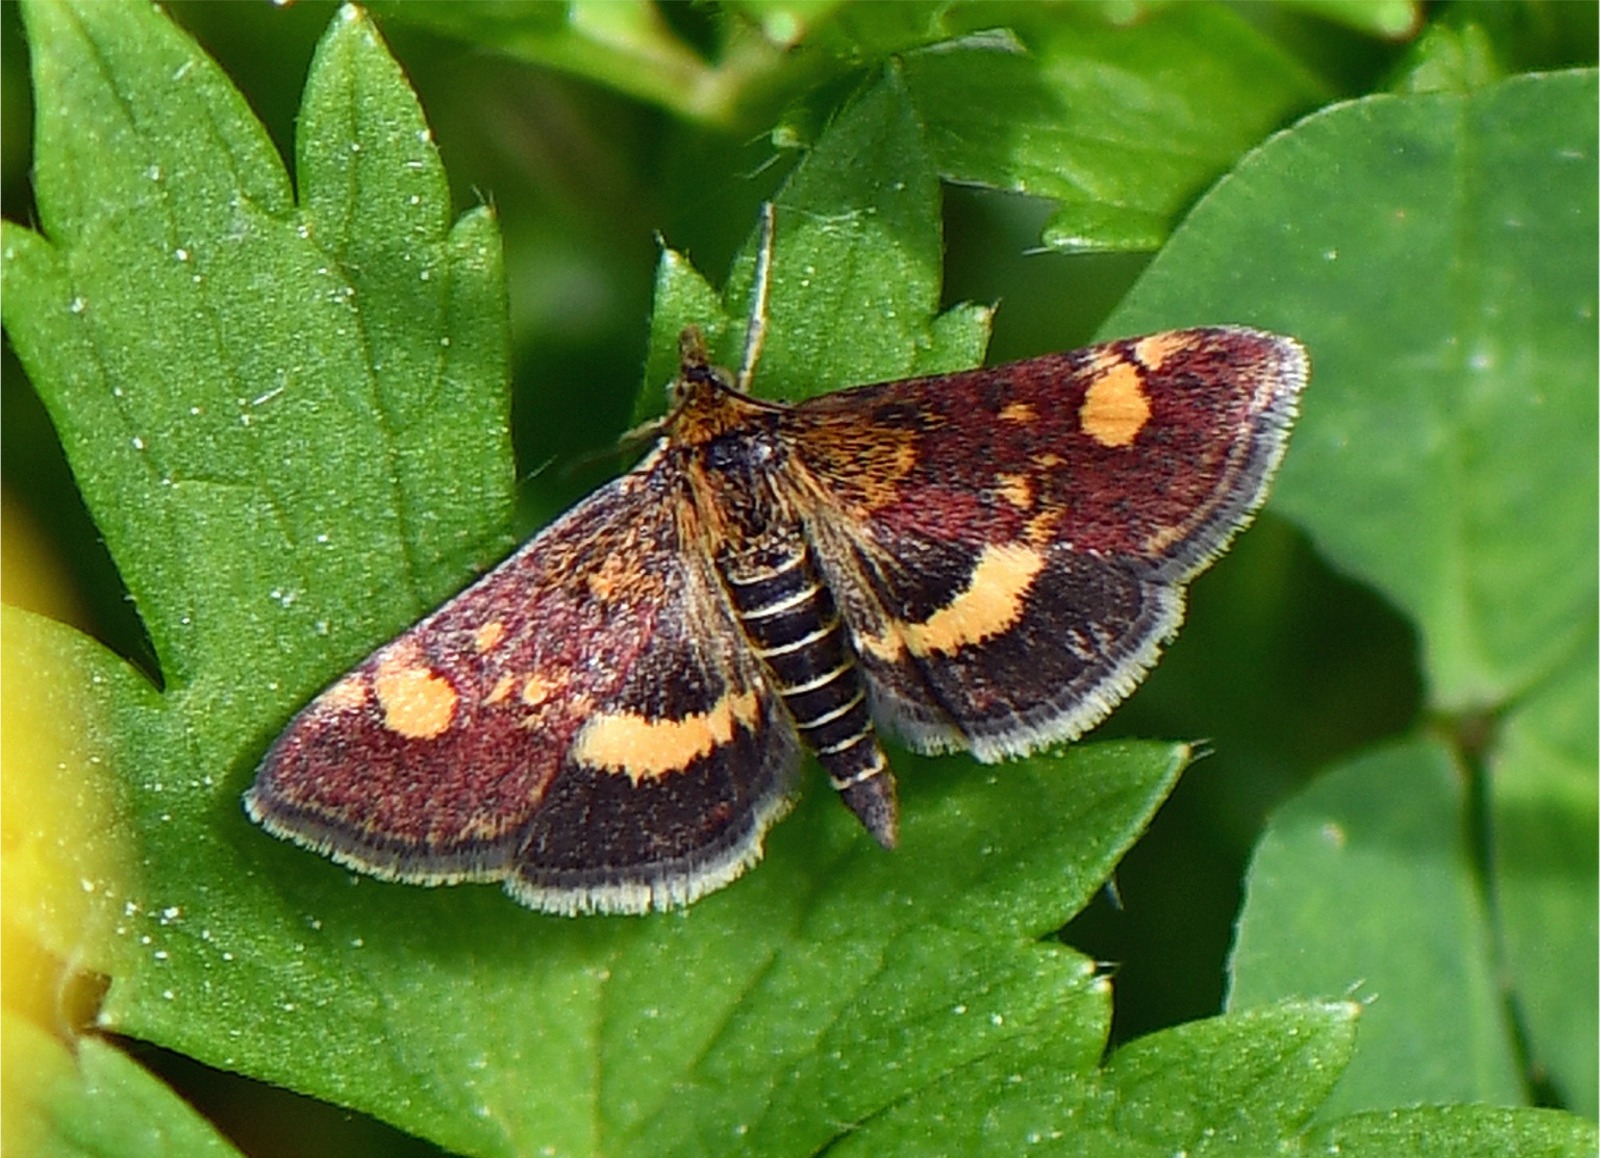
(611, 719)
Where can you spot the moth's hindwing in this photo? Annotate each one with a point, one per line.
(583, 724)
(1011, 545)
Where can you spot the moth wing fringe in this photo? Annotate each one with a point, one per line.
(670, 887)
(486, 864)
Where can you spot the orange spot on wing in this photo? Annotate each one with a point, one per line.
(1115, 409)
(888, 646)
(418, 703)
(1043, 527)
(488, 637)
(642, 748)
(538, 689)
(347, 694)
(614, 574)
(1019, 412)
(1154, 351)
(1016, 489)
(989, 605)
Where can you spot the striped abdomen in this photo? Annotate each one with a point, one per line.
(789, 616)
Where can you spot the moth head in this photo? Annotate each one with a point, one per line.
(696, 374)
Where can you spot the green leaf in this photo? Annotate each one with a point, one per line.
(1121, 115)
(193, 334)
(72, 868)
(1122, 124)
(900, 970)
(210, 369)
(1393, 19)
(856, 269)
(1544, 806)
(858, 260)
(92, 1102)
(683, 298)
(1236, 1084)
(625, 44)
(1244, 1080)
(1447, 296)
(1446, 456)
(1460, 1131)
(430, 300)
(1363, 886)
(1469, 46)
(1450, 59)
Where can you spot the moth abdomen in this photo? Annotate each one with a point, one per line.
(788, 614)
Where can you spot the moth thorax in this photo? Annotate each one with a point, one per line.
(790, 618)
(739, 475)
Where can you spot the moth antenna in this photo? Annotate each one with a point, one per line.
(626, 443)
(755, 333)
(691, 353)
